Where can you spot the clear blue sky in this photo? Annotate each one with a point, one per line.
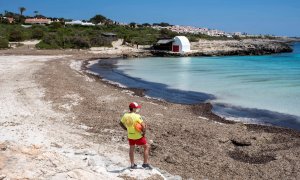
(279, 17)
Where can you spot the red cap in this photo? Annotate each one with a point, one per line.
(134, 105)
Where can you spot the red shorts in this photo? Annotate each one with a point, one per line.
(138, 142)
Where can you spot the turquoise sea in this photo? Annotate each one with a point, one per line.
(255, 89)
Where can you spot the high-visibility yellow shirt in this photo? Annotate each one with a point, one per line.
(129, 120)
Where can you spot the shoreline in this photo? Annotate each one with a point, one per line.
(184, 141)
(241, 143)
(141, 93)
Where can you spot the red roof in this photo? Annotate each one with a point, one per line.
(37, 21)
(11, 20)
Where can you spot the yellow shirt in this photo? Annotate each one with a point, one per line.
(129, 120)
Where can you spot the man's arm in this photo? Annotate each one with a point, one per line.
(122, 125)
(144, 128)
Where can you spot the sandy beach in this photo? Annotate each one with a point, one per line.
(41, 139)
(59, 122)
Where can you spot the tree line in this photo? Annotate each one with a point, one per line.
(57, 35)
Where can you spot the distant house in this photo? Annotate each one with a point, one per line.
(87, 24)
(237, 33)
(10, 19)
(179, 44)
(78, 22)
(37, 21)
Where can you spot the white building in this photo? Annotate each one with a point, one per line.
(237, 33)
(78, 22)
(87, 24)
(181, 44)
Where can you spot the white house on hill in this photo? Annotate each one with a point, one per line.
(181, 44)
(78, 22)
(178, 44)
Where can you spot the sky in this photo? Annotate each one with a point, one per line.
(276, 17)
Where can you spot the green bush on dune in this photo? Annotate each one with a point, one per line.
(98, 41)
(50, 41)
(78, 43)
(57, 41)
(58, 36)
(37, 33)
(16, 35)
(3, 43)
(43, 45)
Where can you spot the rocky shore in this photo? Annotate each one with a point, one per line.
(200, 48)
(234, 47)
(59, 122)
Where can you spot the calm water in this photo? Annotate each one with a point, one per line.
(260, 89)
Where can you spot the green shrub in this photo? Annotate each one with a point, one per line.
(193, 38)
(51, 38)
(167, 33)
(50, 41)
(56, 25)
(99, 41)
(16, 35)
(59, 41)
(235, 37)
(37, 33)
(3, 43)
(43, 45)
(79, 43)
(4, 21)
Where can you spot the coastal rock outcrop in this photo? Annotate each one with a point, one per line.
(243, 47)
(233, 47)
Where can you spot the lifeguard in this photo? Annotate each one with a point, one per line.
(136, 130)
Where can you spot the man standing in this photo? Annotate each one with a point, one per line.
(129, 122)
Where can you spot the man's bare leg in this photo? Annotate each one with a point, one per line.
(146, 153)
(131, 155)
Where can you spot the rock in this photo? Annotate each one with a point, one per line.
(151, 142)
(277, 157)
(2, 176)
(233, 47)
(240, 141)
(155, 177)
(126, 177)
(91, 162)
(154, 146)
(32, 151)
(176, 177)
(170, 160)
(3, 147)
(223, 140)
(54, 144)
